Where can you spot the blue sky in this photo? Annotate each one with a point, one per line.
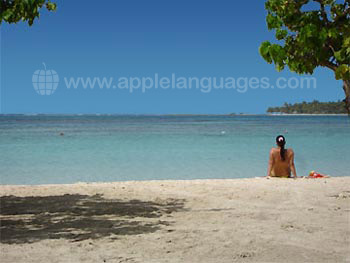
(138, 39)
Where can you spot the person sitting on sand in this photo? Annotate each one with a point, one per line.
(281, 161)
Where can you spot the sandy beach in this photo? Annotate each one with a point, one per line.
(238, 220)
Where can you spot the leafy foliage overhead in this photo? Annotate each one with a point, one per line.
(312, 33)
(13, 11)
(311, 38)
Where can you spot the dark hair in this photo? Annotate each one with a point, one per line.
(281, 141)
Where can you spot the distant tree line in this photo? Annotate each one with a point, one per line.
(314, 107)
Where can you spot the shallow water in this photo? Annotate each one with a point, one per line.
(118, 148)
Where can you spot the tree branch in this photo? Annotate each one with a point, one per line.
(330, 65)
(330, 46)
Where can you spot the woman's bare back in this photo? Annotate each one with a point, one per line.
(281, 168)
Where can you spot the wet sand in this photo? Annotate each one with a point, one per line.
(240, 220)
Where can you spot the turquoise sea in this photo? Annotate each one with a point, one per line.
(118, 148)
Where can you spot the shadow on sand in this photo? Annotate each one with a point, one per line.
(78, 217)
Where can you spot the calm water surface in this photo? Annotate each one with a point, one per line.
(119, 148)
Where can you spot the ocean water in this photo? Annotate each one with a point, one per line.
(120, 148)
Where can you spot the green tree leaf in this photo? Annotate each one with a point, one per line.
(264, 51)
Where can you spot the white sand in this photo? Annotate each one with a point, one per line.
(242, 220)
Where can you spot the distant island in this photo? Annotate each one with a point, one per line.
(314, 107)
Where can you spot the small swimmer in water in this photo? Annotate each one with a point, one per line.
(61, 133)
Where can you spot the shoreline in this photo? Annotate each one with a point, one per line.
(307, 114)
(160, 181)
(201, 220)
(164, 181)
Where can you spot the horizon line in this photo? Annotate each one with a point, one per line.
(173, 114)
